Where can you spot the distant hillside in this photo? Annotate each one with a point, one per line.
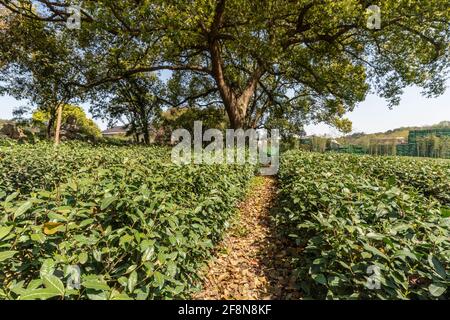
(364, 139)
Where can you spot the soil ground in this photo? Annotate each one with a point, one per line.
(252, 261)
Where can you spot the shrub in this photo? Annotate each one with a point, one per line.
(350, 225)
(136, 226)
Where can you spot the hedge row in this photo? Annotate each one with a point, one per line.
(131, 224)
(362, 237)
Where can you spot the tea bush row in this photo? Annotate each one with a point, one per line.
(119, 223)
(359, 236)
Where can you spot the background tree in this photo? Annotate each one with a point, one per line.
(319, 53)
(319, 144)
(40, 67)
(74, 122)
(134, 101)
(212, 117)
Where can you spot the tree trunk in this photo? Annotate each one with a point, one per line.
(144, 123)
(235, 104)
(237, 111)
(58, 125)
(146, 135)
(51, 122)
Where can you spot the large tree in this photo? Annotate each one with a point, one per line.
(316, 56)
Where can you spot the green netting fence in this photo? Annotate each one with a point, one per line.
(434, 143)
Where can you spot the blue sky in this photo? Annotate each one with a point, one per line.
(370, 116)
(373, 115)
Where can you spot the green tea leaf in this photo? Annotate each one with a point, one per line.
(5, 255)
(405, 253)
(82, 257)
(4, 231)
(445, 212)
(95, 284)
(107, 202)
(375, 251)
(132, 280)
(320, 278)
(159, 279)
(23, 208)
(437, 289)
(11, 197)
(42, 294)
(52, 282)
(438, 267)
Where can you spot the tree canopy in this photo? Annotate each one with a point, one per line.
(135, 101)
(39, 65)
(314, 60)
(74, 121)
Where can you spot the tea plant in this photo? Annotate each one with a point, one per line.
(31, 167)
(362, 237)
(126, 221)
(429, 176)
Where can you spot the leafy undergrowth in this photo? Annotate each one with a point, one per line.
(366, 235)
(429, 177)
(133, 225)
(30, 167)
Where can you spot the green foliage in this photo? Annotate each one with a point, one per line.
(40, 65)
(342, 124)
(365, 140)
(427, 176)
(74, 119)
(211, 117)
(383, 148)
(27, 168)
(318, 144)
(133, 100)
(316, 59)
(433, 146)
(137, 226)
(348, 219)
(184, 118)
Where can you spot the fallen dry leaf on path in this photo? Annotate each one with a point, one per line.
(252, 265)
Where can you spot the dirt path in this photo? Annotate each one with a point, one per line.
(251, 263)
